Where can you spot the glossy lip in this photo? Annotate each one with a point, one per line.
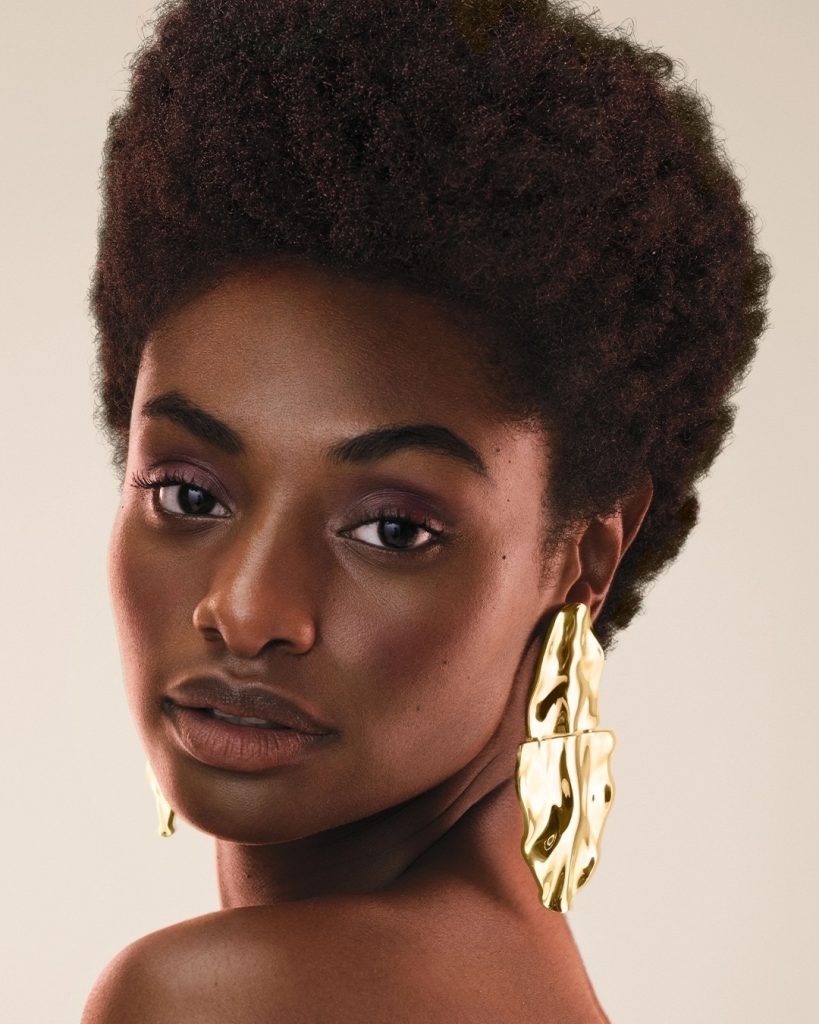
(291, 734)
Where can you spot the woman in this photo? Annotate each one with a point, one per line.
(418, 324)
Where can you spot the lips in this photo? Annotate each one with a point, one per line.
(242, 727)
(251, 705)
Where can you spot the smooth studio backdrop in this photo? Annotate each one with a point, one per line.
(703, 905)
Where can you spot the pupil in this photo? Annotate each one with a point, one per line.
(194, 505)
(396, 530)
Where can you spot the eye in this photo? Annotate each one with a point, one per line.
(178, 495)
(394, 530)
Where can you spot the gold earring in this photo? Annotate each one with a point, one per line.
(163, 808)
(563, 771)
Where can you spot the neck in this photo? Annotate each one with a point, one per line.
(470, 823)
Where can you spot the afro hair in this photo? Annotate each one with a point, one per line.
(554, 180)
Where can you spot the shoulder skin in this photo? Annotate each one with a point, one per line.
(257, 965)
(338, 960)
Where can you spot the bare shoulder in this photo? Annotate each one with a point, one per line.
(343, 959)
(174, 974)
(256, 964)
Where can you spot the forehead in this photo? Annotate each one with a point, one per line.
(302, 329)
(294, 354)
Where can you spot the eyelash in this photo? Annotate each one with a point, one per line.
(171, 478)
(390, 514)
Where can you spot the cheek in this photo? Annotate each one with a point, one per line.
(433, 666)
(150, 600)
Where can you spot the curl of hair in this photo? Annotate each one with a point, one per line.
(554, 180)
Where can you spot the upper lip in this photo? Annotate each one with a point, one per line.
(245, 700)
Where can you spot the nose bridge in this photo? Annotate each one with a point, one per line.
(262, 589)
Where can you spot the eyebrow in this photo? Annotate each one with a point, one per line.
(362, 448)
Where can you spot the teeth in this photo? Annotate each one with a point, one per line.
(237, 720)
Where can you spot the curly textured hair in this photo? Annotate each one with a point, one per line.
(555, 181)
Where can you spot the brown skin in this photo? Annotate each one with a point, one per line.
(390, 856)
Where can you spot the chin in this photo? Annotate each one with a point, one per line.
(246, 808)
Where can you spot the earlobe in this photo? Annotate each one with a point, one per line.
(602, 545)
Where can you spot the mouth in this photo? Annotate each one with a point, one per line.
(259, 723)
(245, 728)
(249, 705)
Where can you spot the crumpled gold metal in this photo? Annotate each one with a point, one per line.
(164, 810)
(563, 777)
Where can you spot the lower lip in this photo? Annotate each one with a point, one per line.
(239, 748)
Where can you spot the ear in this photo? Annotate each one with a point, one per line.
(600, 545)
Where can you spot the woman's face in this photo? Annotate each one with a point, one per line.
(278, 567)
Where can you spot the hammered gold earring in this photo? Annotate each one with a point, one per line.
(163, 809)
(563, 772)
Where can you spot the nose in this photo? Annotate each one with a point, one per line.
(261, 591)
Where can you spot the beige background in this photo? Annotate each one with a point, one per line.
(703, 905)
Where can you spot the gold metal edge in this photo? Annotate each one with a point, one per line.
(566, 790)
(165, 812)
